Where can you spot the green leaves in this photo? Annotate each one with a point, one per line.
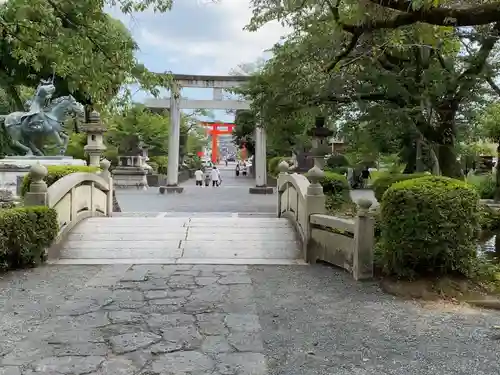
(90, 53)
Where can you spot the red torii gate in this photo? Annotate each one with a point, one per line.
(215, 131)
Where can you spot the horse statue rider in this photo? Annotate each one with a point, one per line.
(45, 117)
(34, 118)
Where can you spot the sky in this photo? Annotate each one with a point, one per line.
(199, 37)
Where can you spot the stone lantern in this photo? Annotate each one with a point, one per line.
(95, 142)
(320, 147)
(145, 157)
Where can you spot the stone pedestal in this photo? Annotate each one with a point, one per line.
(14, 168)
(261, 190)
(171, 189)
(260, 164)
(130, 173)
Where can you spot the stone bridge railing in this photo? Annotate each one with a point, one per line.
(343, 242)
(75, 197)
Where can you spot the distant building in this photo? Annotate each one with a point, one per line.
(338, 145)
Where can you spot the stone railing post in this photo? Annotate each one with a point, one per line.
(315, 203)
(37, 194)
(283, 169)
(106, 175)
(362, 265)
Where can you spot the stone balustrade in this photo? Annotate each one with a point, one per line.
(75, 197)
(343, 242)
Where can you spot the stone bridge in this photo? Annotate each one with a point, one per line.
(215, 281)
(233, 227)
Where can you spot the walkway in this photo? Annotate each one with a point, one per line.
(182, 240)
(231, 197)
(203, 225)
(229, 320)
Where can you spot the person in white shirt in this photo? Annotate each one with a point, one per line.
(215, 176)
(198, 175)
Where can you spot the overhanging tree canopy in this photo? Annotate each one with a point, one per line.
(401, 59)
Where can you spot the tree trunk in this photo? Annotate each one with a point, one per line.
(446, 151)
(497, 176)
(419, 162)
(448, 163)
(435, 161)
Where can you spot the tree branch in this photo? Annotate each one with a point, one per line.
(374, 97)
(493, 85)
(476, 66)
(440, 16)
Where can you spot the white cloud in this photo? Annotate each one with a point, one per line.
(227, 49)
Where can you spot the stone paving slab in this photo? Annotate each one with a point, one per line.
(230, 320)
(145, 319)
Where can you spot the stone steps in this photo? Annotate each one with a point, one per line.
(183, 240)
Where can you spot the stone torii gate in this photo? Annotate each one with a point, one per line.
(175, 103)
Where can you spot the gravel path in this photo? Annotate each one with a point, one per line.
(230, 320)
(317, 320)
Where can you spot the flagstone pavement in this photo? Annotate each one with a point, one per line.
(230, 320)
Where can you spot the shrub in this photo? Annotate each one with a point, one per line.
(337, 161)
(489, 218)
(56, 172)
(382, 183)
(334, 183)
(162, 162)
(429, 226)
(484, 184)
(153, 165)
(25, 233)
(273, 163)
(338, 170)
(336, 189)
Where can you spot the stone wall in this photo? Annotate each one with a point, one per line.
(156, 180)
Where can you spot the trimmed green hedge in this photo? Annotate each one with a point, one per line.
(25, 233)
(272, 165)
(161, 162)
(56, 172)
(334, 184)
(429, 226)
(484, 184)
(337, 161)
(383, 183)
(336, 189)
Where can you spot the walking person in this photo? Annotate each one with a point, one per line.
(215, 175)
(220, 178)
(208, 176)
(365, 175)
(198, 175)
(237, 169)
(244, 169)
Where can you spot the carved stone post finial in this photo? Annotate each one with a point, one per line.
(364, 206)
(37, 173)
(105, 165)
(315, 175)
(37, 194)
(283, 167)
